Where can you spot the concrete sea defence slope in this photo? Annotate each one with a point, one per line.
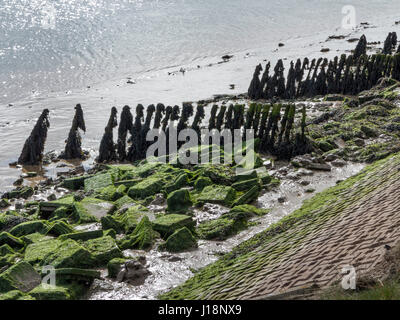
(348, 224)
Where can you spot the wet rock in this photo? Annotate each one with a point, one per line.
(179, 201)
(330, 157)
(181, 240)
(319, 166)
(305, 182)
(21, 276)
(359, 142)
(338, 163)
(52, 197)
(18, 182)
(4, 203)
(134, 272)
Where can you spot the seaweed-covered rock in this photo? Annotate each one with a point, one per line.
(218, 194)
(141, 238)
(111, 193)
(60, 227)
(29, 227)
(245, 211)
(181, 181)
(59, 254)
(201, 183)
(179, 201)
(98, 181)
(219, 229)
(103, 249)
(114, 266)
(248, 197)
(168, 224)
(48, 292)
(91, 209)
(75, 183)
(15, 295)
(145, 188)
(182, 239)
(124, 201)
(82, 235)
(22, 192)
(21, 276)
(9, 239)
(245, 185)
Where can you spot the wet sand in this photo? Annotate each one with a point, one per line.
(202, 80)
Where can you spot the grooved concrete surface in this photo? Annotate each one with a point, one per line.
(350, 227)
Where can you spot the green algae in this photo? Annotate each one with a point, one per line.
(141, 238)
(313, 212)
(181, 240)
(179, 201)
(168, 224)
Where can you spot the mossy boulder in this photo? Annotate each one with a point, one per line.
(127, 220)
(179, 201)
(23, 192)
(110, 223)
(59, 254)
(13, 242)
(103, 249)
(141, 238)
(245, 211)
(29, 227)
(6, 249)
(92, 209)
(60, 227)
(21, 276)
(48, 292)
(82, 235)
(15, 295)
(248, 197)
(182, 239)
(35, 237)
(202, 182)
(125, 201)
(111, 193)
(218, 194)
(148, 187)
(250, 175)
(98, 181)
(246, 184)
(114, 266)
(168, 224)
(75, 183)
(181, 181)
(219, 229)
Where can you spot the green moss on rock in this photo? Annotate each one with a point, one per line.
(103, 249)
(141, 238)
(13, 242)
(181, 240)
(21, 276)
(168, 224)
(48, 292)
(29, 227)
(179, 201)
(218, 194)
